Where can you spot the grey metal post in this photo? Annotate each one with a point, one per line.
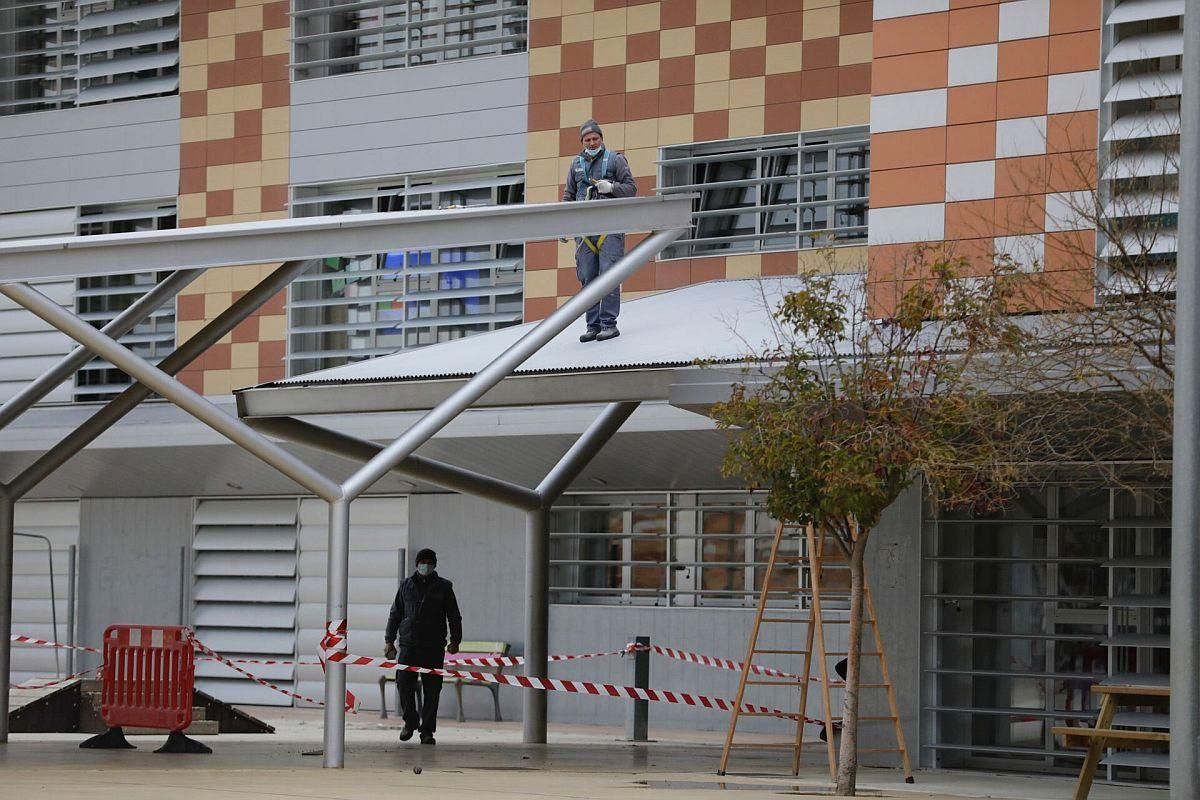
(537, 621)
(506, 362)
(6, 585)
(336, 606)
(637, 715)
(188, 400)
(584, 450)
(71, 608)
(1185, 485)
(123, 323)
(175, 361)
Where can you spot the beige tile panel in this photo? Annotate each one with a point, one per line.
(746, 122)
(677, 42)
(244, 355)
(241, 378)
(673, 130)
(712, 67)
(641, 133)
(614, 136)
(276, 120)
(221, 101)
(193, 129)
(542, 172)
(643, 18)
(578, 28)
(221, 23)
(642, 160)
(639, 77)
(572, 112)
(193, 78)
(750, 32)
(542, 144)
(247, 98)
(221, 48)
(818, 114)
(282, 214)
(245, 20)
(543, 9)
(542, 194)
(275, 42)
(193, 53)
(274, 145)
(272, 328)
(610, 23)
(218, 381)
(821, 23)
(712, 11)
(545, 60)
(220, 126)
(854, 48)
(245, 277)
(854, 110)
(192, 206)
(275, 172)
(218, 178)
(246, 176)
(224, 219)
(186, 329)
(746, 92)
(711, 96)
(608, 52)
(219, 280)
(783, 58)
(811, 4)
(575, 6)
(216, 302)
(541, 283)
(746, 266)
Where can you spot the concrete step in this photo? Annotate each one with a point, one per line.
(199, 727)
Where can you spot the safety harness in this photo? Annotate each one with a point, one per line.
(594, 244)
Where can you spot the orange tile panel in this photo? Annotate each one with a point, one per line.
(977, 103)
(1021, 98)
(1071, 172)
(1074, 52)
(906, 187)
(970, 219)
(908, 73)
(975, 142)
(1024, 58)
(900, 35)
(972, 26)
(1068, 16)
(1020, 215)
(1016, 177)
(898, 149)
(1078, 130)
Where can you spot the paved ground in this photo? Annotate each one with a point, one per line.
(471, 761)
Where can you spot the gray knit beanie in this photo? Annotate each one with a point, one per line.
(591, 126)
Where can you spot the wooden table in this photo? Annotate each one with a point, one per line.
(1099, 736)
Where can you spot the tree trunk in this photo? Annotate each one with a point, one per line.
(847, 772)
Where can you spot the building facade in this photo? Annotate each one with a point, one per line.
(815, 133)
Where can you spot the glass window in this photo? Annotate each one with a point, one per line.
(359, 306)
(332, 39)
(786, 192)
(59, 54)
(101, 298)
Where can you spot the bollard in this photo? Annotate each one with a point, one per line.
(637, 715)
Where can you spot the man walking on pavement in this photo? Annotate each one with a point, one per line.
(424, 606)
(598, 174)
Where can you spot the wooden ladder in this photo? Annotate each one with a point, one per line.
(817, 553)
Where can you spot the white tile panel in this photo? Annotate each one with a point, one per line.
(902, 224)
(1024, 136)
(1070, 211)
(1028, 252)
(1073, 91)
(968, 65)
(889, 9)
(972, 181)
(908, 111)
(1025, 19)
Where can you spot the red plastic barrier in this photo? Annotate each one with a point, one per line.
(149, 672)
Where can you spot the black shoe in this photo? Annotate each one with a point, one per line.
(406, 733)
(427, 738)
(607, 333)
(589, 334)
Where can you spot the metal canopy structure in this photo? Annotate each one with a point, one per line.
(296, 242)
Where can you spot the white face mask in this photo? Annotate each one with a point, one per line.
(592, 151)
(424, 568)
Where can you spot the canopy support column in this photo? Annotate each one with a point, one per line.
(336, 607)
(6, 586)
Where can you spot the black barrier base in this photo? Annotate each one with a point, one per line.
(111, 739)
(178, 743)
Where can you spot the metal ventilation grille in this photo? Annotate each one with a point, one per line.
(1140, 122)
(244, 594)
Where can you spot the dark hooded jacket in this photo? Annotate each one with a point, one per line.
(423, 607)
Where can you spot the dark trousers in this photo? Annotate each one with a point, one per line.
(589, 265)
(420, 713)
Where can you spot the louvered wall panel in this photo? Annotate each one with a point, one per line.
(378, 531)
(244, 594)
(31, 613)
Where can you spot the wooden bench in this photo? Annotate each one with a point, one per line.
(465, 650)
(1102, 734)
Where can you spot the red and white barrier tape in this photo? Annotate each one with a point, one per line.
(335, 641)
(18, 639)
(55, 682)
(711, 661)
(227, 662)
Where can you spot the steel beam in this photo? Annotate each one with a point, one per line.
(506, 362)
(445, 475)
(583, 451)
(126, 321)
(6, 586)
(337, 581)
(175, 361)
(1185, 485)
(537, 622)
(321, 237)
(188, 400)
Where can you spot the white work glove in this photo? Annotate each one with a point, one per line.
(604, 186)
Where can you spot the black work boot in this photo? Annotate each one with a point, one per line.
(427, 738)
(406, 733)
(589, 334)
(607, 333)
